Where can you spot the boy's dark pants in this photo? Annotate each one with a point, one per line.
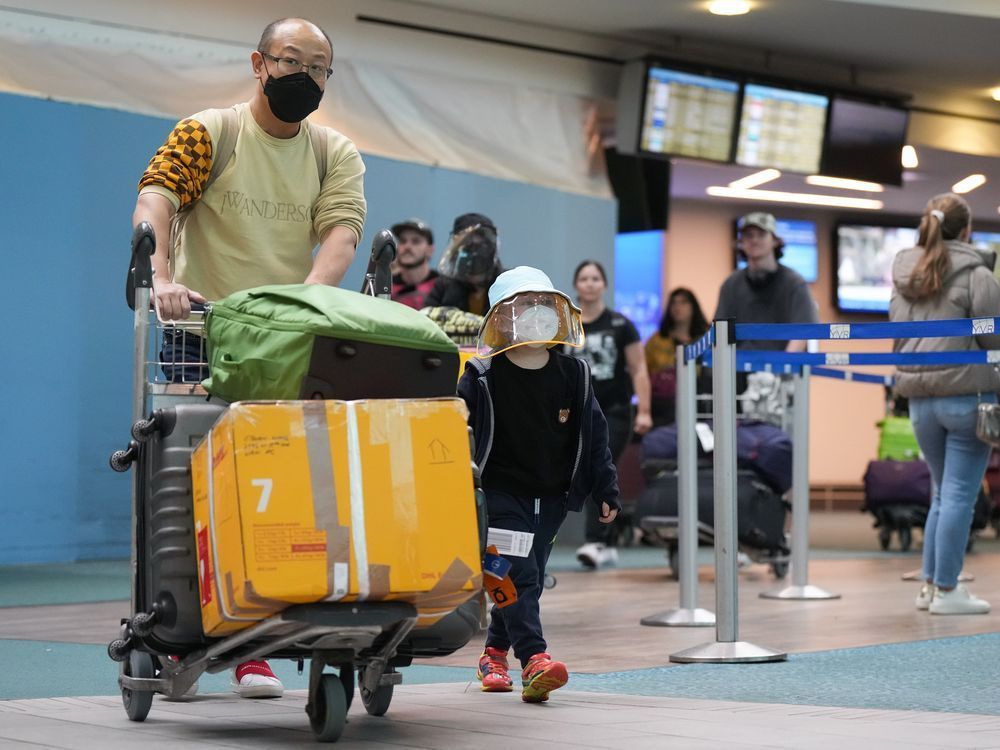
(519, 624)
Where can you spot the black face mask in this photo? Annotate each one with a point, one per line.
(293, 97)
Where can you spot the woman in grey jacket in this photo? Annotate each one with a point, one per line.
(945, 277)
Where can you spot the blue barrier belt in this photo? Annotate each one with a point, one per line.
(699, 347)
(840, 331)
(823, 372)
(754, 359)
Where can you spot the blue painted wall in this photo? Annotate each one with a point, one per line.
(68, 174)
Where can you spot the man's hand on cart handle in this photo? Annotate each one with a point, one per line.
(173, 301)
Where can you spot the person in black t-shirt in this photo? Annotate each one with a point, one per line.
(542, 445)
(618, 366)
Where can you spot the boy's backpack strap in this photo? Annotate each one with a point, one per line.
(225, 147)
(317, 135)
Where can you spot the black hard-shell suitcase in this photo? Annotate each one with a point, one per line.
(761, 514)
(167, 571)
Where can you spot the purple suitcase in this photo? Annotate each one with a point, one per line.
(897, 483)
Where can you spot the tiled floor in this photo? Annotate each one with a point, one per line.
(458, 716)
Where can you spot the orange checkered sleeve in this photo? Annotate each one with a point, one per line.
(183, 164)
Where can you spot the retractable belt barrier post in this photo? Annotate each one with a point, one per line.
(727, 647)
(800, 587)
(688, 614)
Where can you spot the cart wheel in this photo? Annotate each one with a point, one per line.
(329, 707)
(780, 569)
(137, 702)
(377, 702)
(884, 538)
(905, 538)
(674, 556)
(347, 680)
(549, 581)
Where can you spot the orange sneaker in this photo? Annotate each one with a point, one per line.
(541, 677)
(493, 671)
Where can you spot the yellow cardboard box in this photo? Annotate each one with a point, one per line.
(306, 501)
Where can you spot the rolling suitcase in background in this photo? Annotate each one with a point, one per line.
(897, 494)
(761, 513)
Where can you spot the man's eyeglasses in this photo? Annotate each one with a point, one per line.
(289, 65)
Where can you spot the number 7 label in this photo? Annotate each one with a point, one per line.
(266, 485)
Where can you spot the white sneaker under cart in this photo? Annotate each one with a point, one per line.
(597, 555)
(957, 602)
(925, 596)
(254, 679)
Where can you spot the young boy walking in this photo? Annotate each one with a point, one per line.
(542, 447)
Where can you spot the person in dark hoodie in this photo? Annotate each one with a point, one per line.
(946, 277)
(542, 446)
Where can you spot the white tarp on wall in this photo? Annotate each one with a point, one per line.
(497, 129)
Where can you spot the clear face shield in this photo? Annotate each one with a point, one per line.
(535, 319)
(471, 255)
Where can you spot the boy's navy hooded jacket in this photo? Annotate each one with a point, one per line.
(593, 471)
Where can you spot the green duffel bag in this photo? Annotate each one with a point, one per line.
(304, 341)
(896, 440)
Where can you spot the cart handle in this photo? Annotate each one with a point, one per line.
(378, 276)
(140, 268)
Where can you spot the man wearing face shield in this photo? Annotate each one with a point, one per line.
(542, 445)
(240, 197)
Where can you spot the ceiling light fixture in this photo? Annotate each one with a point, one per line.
(775, 196)
(843, 184)
(995, 93)
(910, 160)
(969, 184)
(755, 179)
(729, 7)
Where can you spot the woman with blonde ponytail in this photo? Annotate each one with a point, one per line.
(946, 277)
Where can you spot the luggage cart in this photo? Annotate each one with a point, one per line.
(161, 647)
(664, 530)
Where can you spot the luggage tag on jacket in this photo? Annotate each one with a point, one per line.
(494, 565)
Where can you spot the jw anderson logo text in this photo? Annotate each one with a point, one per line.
(235, 201)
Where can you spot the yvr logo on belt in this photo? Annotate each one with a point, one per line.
(238, 202)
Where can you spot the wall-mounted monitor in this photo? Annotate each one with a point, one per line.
(864, 255)
(801, 252)
(864, 141)
(781, 128)
(664, 111)
(688, 115)
(639, 279)
(989, 241)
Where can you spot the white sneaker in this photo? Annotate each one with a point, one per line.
(743, 560)
(608, 557)
(925, 596)
(597, 555)
(957, 602)
(254, 679)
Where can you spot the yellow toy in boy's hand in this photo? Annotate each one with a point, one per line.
(529, 312)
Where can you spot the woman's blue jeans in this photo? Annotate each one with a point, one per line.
(946, 430)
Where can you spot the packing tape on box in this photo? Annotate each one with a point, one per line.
(389, 426)
(356, 479)
(223, 605)
(324, 494)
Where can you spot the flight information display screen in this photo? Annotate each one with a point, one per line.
(781, 128)
(688, 115)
